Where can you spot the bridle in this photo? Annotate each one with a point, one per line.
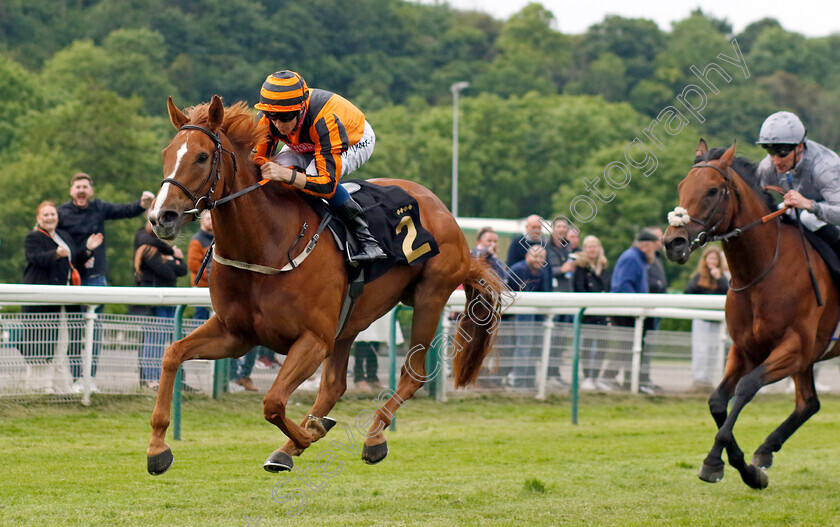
(705, 236)
(215, 174)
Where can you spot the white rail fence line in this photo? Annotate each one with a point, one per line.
(550, 335)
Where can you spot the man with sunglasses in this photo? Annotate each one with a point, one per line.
(325, 137)
(809, 172)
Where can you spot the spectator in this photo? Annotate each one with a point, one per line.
(80, 218)
(487, 242)
(657, 284)
(592, 275)
(154, 268)
(630, 276)
(266, 359)
(83, 216)
(199, 244)
(368, 343)
(573, 237)
(520, 244)
(561, 259)
(241, 368)
(531, 274)
(51, 258)
(708, 279)
(657, 280)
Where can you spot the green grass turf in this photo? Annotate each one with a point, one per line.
(472, 461)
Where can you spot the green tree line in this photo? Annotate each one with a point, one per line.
(546, 121)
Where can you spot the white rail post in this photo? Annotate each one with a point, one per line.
(720, 364)
(542, 374)
(87, 354)
(637, 354)
(445, 361)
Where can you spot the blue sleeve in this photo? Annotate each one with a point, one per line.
(625, 277)
(546, 279)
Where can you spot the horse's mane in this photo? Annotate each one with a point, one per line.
(744, 168)
(239, 124)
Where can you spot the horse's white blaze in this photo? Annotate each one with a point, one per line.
(164, 189)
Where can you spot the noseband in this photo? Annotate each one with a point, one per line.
(215, 172)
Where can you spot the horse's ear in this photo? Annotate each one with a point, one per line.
(726, 158)
(175, 115)
(216, 114)
(702, 148)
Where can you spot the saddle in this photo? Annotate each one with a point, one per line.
(394, 220)
(829, 255)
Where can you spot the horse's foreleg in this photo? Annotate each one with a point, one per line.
(332, 387)
(807, 404)
(210, 341)
(712, 469)
(778, 365)
(303, 359)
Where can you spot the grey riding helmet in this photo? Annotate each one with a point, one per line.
(783, 128)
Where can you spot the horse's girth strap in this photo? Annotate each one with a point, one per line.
(264, 269)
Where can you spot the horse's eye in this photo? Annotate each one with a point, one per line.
(202, 157)
(713, 191)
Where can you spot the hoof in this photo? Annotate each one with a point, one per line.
(711, 474)
(764, 461)
(374, 454)
(756, 478)
(159, 463)
(278, 462)
(328, 423)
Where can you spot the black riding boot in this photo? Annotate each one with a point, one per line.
(354, 217)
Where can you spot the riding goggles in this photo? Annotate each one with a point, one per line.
(781, 150)
(283, 117)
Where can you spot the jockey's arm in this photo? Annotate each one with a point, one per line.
(827, 206)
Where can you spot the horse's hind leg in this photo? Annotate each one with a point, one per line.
(210, 341)
(332, 387)
(424, 323)
(807, 404)
(303, 359)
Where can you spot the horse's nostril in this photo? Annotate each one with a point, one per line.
(169, 217)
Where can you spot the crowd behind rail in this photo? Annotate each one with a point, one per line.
(41, 349)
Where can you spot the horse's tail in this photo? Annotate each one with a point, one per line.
(478, 326)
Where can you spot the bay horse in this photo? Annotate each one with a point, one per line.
(776, 325)
(296, 313)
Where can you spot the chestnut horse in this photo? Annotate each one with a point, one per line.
(776, 325)
(296, 313)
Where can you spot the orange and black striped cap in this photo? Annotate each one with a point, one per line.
(283, 91)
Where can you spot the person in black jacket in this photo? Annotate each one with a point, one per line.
(156, 264)
(83, 216)
(51, 257)
(592, 275)
(80, 218)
